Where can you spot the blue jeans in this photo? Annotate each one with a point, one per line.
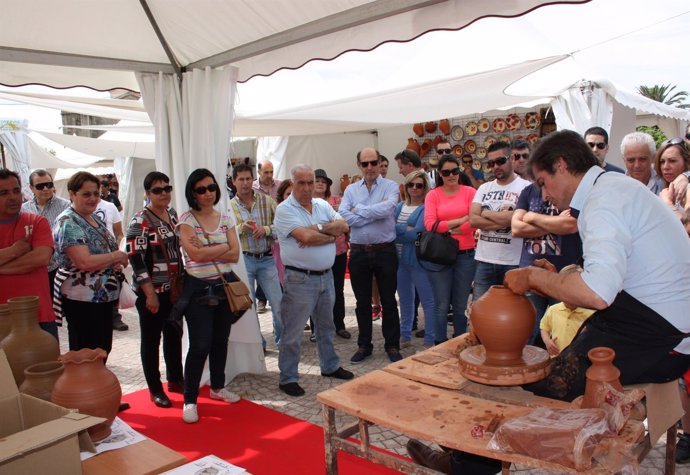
(488, 274)
(264, 272)
(452, 282)
(409, 279)
(306, 295)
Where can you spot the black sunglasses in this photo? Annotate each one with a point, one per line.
(444, 151)
(43, 186)
(167, 189)
(372, 163)
(467, 162)
(453, 171)
(203, 189)
(419, 186)
(599, 145)
(518, 156)
(674, 141)
(499, 161)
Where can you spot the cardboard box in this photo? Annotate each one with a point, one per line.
(37, 436)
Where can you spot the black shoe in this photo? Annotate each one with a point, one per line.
(394, 354)
(292, 389)
(176, 387)
(312, 338)
(428, 457)
(161, 399)
(420, 333)
(120, 326)
(342, 333)
(362, 354)
(123, 406)
(683, 448)
(339, 373)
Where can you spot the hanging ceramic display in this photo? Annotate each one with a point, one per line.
(418, 129)
(444, 126)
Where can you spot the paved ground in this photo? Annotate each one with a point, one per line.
(263, 389)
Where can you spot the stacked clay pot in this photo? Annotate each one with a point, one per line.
(90, 387)
(27, 343)
(39, 379)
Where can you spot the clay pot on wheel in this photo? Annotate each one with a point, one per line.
(40, 379)
(27, 343)
(5, 323)
(602, 371)
(444, 126)
(90, 387)
(418, 129)
(503, 322)
(412, 144)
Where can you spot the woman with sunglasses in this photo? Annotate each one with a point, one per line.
(409, 219)
(449, 204)
(670, 161)
(154, 252)
(209, 245)
(90, 267)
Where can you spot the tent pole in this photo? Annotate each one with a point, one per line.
(2, 152)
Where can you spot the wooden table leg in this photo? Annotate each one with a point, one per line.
(670, 465)
(364, 436)
(329, 433)
(505, 468)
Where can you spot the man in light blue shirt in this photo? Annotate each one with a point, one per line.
(368, 206)
(307, 228)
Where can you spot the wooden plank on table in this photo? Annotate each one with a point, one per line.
(147, 457)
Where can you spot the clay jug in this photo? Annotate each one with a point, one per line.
(5, 323)
(40, 378)
(418, 129)
(430, 127)
(503, 322)
(27, 343)
(602, 371)
(344, 182)
(437, 140)
(444, 126)
(424, 148)
(412, 144)
(90, 387)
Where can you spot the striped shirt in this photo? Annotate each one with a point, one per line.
(207, 270)
(263, 212)
(50, 211)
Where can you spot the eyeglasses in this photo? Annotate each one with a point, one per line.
(43, 186)
(444, 151)
(419, 186)
(467, 162)
(673, 141)
(372, 163)
(453, 171)
(87, 194)
(599, 145)
(499, 161)
(166, 189)
(203, 189)
(518, 156)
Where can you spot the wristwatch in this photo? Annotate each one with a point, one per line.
(319, 227)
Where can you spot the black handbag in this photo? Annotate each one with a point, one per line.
(439, 248)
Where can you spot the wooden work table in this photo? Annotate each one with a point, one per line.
(409, 397)
(147, 457)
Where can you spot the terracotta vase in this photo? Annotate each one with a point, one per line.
(418, 129)
(90, 387)
(437, 140)
(412, 144)
(5, 323)
(27, 343)
(424, 148)
(40, 378)
(503, 322)
(430, 127)
(444, 126)
(602, 371)
(344, 182)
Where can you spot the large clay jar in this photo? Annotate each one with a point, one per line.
(503, 322)
(412, 144)
(90, 387)
(418, 129)
(424, 148)
(40, 378)
(5, 323)
(27, 343)
(602, 371)
(444, 126)
(344, 182)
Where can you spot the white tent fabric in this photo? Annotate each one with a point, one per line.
(573, 112)
(103, 148)
(16, 143)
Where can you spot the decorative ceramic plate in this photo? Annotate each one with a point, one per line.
(486, 169)
(476, 164)
(457, 151)
(532, 138)
(532, 120)
(481, 152)
(504, 138)
(484, 125)
(457, 133)
(499, 125)
(470, 146)
(519, 137)
(489, 141)
(471, 128)
(514, 122)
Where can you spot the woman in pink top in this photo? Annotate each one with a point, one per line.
(449, 204)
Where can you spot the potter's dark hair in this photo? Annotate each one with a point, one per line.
(565, 144)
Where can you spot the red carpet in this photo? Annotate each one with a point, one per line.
(259, 439)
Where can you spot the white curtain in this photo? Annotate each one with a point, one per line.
(192, 120)
(274, 149)
(15, 141)
(579, 109)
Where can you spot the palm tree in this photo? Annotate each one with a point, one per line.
(662, 93)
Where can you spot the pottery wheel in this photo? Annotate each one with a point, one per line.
(535, 367)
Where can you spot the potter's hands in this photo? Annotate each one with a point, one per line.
(544, 264)
(517, 280)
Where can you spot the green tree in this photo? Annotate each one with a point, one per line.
(655, 132)
(663, 94)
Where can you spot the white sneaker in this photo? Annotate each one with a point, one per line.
(224, 395)
(190, 414)
(261, 307)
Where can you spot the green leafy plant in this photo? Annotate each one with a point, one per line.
(663, 94)
(655, 132)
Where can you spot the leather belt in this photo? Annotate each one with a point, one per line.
(308, 272)
(372, 247)
(258, 255)
(466, 251)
